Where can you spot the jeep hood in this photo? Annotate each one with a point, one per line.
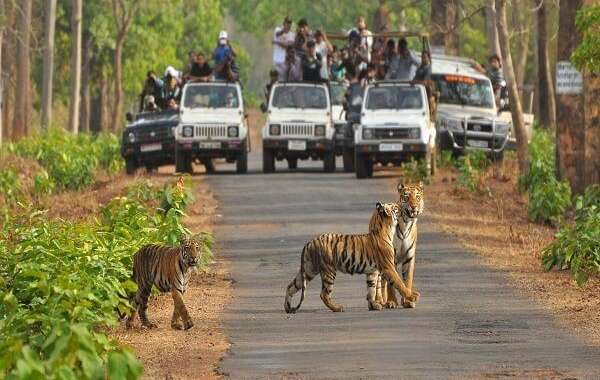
(393, 117)
(456, 111)
(299, 116)
(211, 116)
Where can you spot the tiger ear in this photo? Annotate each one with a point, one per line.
(400, 187)
(420, 185)
(183, 238)
(380, 208)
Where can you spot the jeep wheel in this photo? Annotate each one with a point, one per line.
(292, 163)
(209, 165)
(268, 161)
(329, 162)
(130, 166)
(183, 162)
(348, 157)
(363, 165)
(241, 165)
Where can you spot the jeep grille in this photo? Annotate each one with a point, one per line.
(297, 130)
(211, 130)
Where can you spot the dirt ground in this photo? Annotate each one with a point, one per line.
(495, 226)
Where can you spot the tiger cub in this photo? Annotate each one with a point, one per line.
(411, 206)
(169, 269)
(369, 254)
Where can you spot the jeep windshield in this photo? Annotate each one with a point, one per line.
(464, 90)
(302, 97)
(394, 98)
(211, 96)
(337, 92)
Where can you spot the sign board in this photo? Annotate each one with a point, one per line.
(438, 49)
(569, 81)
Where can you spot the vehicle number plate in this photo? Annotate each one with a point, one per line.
(390, 147)
(478, 143)
(150, 147)
(296, 145)
(209, 145)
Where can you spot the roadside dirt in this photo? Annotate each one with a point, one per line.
(496, 227)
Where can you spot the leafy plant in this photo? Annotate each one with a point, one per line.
(549, 198)
(578, 246)
(471, 171)
(9, 185)
(415, 170)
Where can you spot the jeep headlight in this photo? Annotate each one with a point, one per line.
(367, 133)
(502, 128)
(319, 130)
(187, 131)
(232, 131)
(452, 124)
(414, 133)
(131, 137)
(275, 129)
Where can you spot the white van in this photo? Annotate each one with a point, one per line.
(299, 125)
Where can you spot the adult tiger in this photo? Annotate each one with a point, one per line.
(371, 254)
(411, 206)
(169, 269)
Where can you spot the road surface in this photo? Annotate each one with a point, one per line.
(469, 322)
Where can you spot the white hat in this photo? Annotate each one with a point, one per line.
(223, 35)
(171, 70)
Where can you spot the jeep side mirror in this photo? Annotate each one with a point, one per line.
(129, 117)
(263, 108)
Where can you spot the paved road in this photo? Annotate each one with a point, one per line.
(469, 322)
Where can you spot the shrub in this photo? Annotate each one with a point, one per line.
(61, 282)
(471, 171)
(415, 171)
(578, 246)
(549, 198)
(9, 185)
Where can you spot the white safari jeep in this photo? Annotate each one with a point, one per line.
(212, 125)
(395, 126)
(298, 126)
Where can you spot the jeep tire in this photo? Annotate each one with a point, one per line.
(329, 162)
(348, 158)
(183, 161)
(363, 166)
(241, 164)
(292, 163)
(130, 165)
(268, 161)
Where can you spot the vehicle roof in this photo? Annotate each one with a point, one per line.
(300, 83)
(214, 82)
(446, 64)
(390, 82)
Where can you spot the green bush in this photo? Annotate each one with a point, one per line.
(549, 198)
(415, 170)
(471, 171)
(578, 246)
(9, 185)
(61, 282)
(71, 160)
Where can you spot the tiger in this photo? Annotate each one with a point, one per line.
(369, 254)
(411, 205)
(169, 269)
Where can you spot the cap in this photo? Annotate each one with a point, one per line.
(223, 35)
(287, 20)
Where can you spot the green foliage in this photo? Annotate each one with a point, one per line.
(471, 171)
(587, 54)
(549, 198)
(445, 159)
(415, 171)
(578, 246)
(43, 184)
(9, 185)
(52, 316)
(70, 161)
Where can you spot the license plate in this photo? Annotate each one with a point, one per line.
(209, 145)
(296, 145)
(478, 143)
(390, 147)
(150, 147)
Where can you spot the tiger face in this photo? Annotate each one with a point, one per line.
(189, 251)
(411, 200)
(388, 211)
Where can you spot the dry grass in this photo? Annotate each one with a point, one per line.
(495, 226)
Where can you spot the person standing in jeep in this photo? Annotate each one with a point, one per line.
(282, 40)
(311, 63)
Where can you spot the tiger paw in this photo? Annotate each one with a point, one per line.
(375, 306)
(176, 326)
(188, 324)
(408, 304)
(149, 325)
(391, 305)
(413, 297)
(128, 324)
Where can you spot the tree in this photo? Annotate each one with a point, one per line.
(123, 13)
(75, 66)
(546, 101)
(48, 63)
(513, 93)
(2, 27)
(22, 115)
(490, 28)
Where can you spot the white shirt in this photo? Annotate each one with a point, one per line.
(278, 51)
(366, 41)
(321, 48)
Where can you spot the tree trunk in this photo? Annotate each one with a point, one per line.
(570, 133)
(75, 66)
(2, 26)
(515, 101)
(438, 23)
(490, 28)
(22, 115)
(451, 38)
(84, 117)
(48, 64)
(546, 101)
(118, 94)
(591, 96)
